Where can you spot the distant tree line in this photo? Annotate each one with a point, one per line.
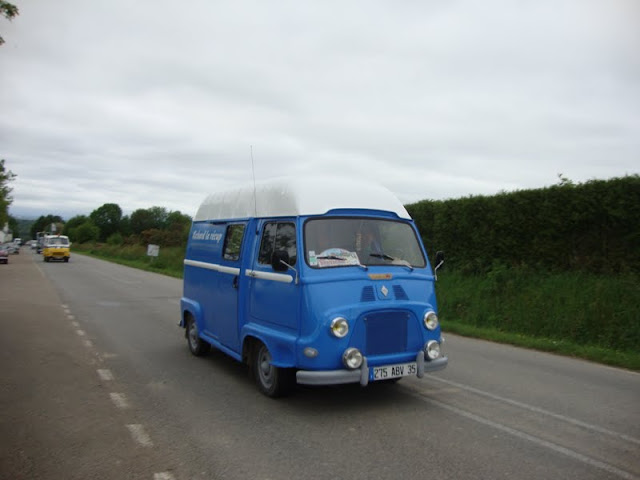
(154, 225)
(594, 227)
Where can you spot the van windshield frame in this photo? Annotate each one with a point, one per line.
(331, 242)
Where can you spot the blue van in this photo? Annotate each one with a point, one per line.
(314, 281)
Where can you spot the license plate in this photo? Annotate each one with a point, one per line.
(395, 371)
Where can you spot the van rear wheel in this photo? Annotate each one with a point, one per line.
(197, 346)
(271, 380)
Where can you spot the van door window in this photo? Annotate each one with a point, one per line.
(278, 236)
(233, 242)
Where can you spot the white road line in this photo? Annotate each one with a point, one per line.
(82, 333)
(525, 436)
(163, 476)
(542, 411)
(139, 435)
(105, 374)
(71, 317)
(88, 343)
(75, 324)
(119, 400)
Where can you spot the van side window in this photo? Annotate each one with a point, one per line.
(233, 241)
(278, 236)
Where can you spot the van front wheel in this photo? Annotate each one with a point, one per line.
(272, 381)
(197, 346)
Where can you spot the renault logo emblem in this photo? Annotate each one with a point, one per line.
(384, 290)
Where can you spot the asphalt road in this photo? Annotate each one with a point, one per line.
(97, 382)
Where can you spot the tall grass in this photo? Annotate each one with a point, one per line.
(572, 312)
(169, 260)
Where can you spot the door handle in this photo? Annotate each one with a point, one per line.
(234, 284)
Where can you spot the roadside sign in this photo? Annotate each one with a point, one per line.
(153, 250)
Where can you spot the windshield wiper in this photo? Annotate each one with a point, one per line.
(384, 256)
(336, 257)
(331, 257)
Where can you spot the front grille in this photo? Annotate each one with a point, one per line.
(386, 332)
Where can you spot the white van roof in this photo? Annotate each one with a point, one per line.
(287, 197)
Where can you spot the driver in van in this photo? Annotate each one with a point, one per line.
(369, 243)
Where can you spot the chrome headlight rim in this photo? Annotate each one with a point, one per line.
(432, 350)
(430, 320)
(339, 327)
(352, 358)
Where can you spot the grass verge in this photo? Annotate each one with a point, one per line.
(623, 359)
(168, 262)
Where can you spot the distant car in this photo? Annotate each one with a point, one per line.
(11, 248)
(4, 254)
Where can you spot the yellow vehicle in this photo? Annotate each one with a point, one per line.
(56, 247)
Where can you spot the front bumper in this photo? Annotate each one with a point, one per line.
(362, 375)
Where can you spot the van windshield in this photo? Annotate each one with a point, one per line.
(341, 242)
(62, 241)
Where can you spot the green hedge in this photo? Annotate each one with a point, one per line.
(592, 227)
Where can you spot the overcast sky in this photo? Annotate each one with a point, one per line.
(158, 103)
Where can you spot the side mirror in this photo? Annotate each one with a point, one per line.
(439, 262)
(279, 261)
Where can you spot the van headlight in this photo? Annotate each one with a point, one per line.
(432, 350)
(352, 358)
(339, 327)
(430, 320)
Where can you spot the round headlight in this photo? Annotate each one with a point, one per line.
(431, 320)
(432, 349)
(339, 327)
(352, 358)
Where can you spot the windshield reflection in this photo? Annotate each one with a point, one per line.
(339, 242)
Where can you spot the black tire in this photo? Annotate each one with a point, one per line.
(271, 380)
(197, 346)
(66, 259)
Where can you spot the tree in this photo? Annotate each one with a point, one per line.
(107, 219)
(148, 219)
(6, 176)
(14, 227)
(87, 232)
(43, 224)
(9, 11)
(74, 222)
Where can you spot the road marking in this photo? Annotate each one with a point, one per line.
(88, 343)
(163, 476)
(71, 317)
(75, 324)
(139, 435)
(542, 411)
(82, 333)
(119, 399)
(105, 374)
(525, 436)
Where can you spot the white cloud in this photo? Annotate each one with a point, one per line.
(155, 103)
